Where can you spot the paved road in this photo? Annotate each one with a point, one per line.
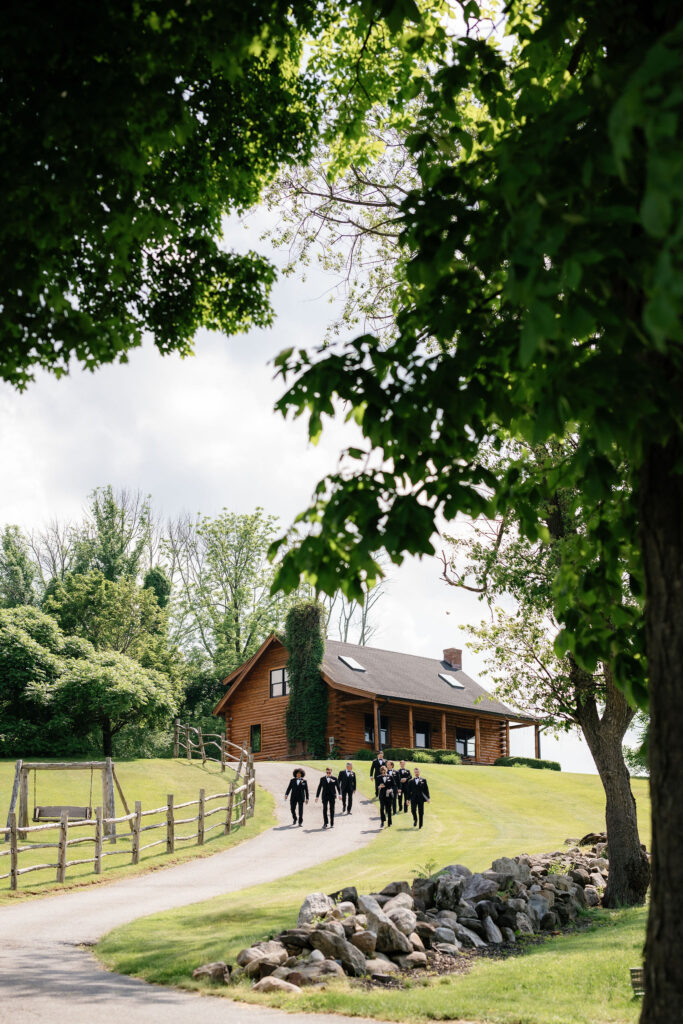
(45, 977)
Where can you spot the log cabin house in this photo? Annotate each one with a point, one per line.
(405, 700)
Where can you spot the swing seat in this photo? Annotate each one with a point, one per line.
(43, 814)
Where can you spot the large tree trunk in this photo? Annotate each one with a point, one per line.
(629, 868)
(661, 518)
(107, 738)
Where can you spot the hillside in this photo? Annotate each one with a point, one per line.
(476, 814)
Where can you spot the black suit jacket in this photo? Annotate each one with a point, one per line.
(328, 786)
(376, 765)
(347, 783)
(298, 793)
(403, 775)
(418, 790)
(388, 787)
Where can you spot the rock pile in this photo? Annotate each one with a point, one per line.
(402, 927)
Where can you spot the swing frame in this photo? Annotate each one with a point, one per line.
(20, 790)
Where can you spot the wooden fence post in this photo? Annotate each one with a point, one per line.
(200, 820)
(170, 825)
(63, 843)
(15, 793)
(13, 851)
(23, 802)
(202, 751)
(187, 743)
(228, 815)
(98, 840)
(137, 825)
(176, 738)
(224, 753)
(108, 802)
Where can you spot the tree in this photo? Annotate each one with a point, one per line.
(161, 119)
(520, 655)
(307, 705)
(114, 616)
(116, 534)
(31, 656)
(223, 608)
(543, 297)
(17, 571)
(110, 691)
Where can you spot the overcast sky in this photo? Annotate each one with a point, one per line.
(200, 434)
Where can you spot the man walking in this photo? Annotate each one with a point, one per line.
(328, 787)
(297, 791)
(387, 796)
(403, 778)
(376, 768)
(347, 787)
(419, 796)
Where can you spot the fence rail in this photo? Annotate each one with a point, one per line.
(191, 740)
(238, 806)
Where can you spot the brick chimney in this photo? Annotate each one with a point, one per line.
(454, 658)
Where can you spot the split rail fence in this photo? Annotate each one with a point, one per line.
(194, 742)
(236, 806)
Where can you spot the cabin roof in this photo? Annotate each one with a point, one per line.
(408, 677)
(391, 675)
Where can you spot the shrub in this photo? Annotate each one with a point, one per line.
(363, 755)
(528, 762)
(422, 755)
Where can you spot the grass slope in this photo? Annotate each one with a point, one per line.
(147, 780)
(476, 814)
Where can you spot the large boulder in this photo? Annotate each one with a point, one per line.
(523, 925)
(380, 968)
(336, 927)
(334, 947)
(447, 918)
(423, 892)
(416, 942)
(365, 942)
(479, 888)
(394, 888)
(369, 906)
(449, 890)
(493, 932)
(216, 971)
(592, 896)
(443, 934)
(404, 899)
(426, 931)
(456, 869)
(348, 894)
(519, 869)
(404, 919)
(391, 940)
(316, 905)
(295, 939)
(449, 948)
(468, 938)
(271, 984)
(315, 973)
(412, 961)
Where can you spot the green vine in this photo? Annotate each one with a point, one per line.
(307, 707)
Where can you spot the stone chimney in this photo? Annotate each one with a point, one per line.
(454, 658)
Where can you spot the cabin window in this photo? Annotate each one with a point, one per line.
(255, 739)
(422, 737)
(464, 742)
(383, 730)
(279, 683)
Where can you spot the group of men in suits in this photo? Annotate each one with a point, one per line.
(394, 788)
(329, 787)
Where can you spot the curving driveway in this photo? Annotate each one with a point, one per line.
(47, 978)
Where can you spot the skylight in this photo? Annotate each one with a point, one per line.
(451, 680)
(351, 663)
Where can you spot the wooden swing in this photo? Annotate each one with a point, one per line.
(49, 814)
(42, 813)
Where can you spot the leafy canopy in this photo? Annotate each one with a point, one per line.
(129, 132)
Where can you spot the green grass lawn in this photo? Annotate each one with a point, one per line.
(146, 780)
(476, 814)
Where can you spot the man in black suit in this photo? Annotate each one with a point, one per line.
(376, 768)
(419, 796)
(297, 791)
(402, 777)
(328, 787)
(347, 787)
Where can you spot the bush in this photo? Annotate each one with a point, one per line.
(528, 762)
(422, 755)
(363, 755)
